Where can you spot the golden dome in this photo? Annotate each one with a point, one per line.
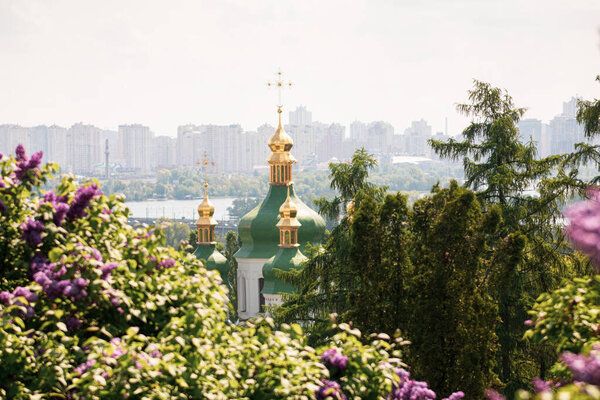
(288, 212)
(206, 210)
(288, 208)
(280, 141)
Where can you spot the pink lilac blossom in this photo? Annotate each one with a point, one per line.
(84, 366)
(166, 263)
(491, 394)
(584, 225)
(584, 368)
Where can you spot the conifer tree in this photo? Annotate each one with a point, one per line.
(452, 314)
(500, 168)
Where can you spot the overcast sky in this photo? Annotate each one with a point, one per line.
(167, 63)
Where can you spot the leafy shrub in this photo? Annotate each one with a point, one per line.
(91, 308)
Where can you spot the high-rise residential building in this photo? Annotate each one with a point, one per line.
(57, 146)
(415, 139)
(225, 145)
(165, 151)
(564, 132)
(136, 145)
(300, 117)
(359, 132)
(379, 137)
(11, 136)
(330, 146)
(84, 148)
(570, 108)
(531, 129)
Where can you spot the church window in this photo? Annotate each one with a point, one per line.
(261, 297)
(242, 295)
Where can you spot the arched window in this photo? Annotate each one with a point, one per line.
(261, 297)
(287, 237)
(242, 295)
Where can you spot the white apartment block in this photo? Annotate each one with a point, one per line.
(136, 146)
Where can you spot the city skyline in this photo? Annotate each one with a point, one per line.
(67, 61)
(135, 149)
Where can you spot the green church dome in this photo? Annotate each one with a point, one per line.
(258, 229)
(287, 258)
(213, 260)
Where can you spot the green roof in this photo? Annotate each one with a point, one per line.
(287, 258)
(213, 260)
(258, 230)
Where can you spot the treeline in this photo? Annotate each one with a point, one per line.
(188, 183)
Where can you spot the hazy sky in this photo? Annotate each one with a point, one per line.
(167, 63)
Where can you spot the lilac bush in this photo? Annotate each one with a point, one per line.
(92, 308)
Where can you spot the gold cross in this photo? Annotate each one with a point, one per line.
(203, 164)
(280, 85)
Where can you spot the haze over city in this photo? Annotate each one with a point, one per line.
(116, 62)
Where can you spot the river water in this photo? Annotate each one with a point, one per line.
(177, 209)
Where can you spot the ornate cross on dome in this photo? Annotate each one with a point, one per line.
(204, 164)
(280, 85)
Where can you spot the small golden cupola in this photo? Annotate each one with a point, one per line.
(281, 160)
(288, 224)
(206, 222)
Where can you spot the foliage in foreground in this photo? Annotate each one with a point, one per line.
(93, 308)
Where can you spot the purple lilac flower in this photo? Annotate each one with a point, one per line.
(83, 196)
(61, 210)
(73, 323)
(20, 152)
(541, 386)
(330, 390)
(13, 299)
(584, 368)
(491, 394)
(455, 396)
(584, 227)
(5, 297)
(119, 350)
(26, 293)
(408, 389)
(84, 366)
(156, 354)
(24, 165)
(107, 270)
(166, 263)
(32, 231)
(334, 358)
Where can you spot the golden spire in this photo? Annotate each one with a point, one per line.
(206, 222)
(288, 224)
(288, 209)
(280, 160)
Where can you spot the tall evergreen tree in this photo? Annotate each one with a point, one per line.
(452, 313)
(500, 168)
